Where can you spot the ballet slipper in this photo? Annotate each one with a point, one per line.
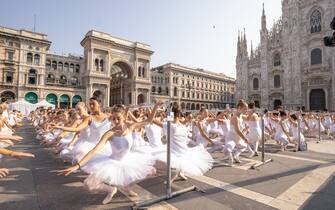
(130, 192)
(237, 159)
(109, 196)
(182, 175)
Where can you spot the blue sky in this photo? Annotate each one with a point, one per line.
(195, 33)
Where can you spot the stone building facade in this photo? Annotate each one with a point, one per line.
(192, 88)
(291, 66)
(113, 69)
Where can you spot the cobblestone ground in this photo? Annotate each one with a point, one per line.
(294, 180)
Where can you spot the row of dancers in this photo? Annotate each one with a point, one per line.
(121, 147)
(9, 122)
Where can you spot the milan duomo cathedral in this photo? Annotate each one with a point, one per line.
(291, 66)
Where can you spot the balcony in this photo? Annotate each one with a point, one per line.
(9, 61)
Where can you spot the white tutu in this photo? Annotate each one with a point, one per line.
(195, 161)
(191, 160)
(122, 168)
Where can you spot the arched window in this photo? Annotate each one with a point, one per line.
(315, 21)
(143, 72)
(60, 66)
(48, 64)
(29, 58)
(316, 56)
(66, 67)
(96, 64)
(102, 65)
(37, 59)
(51, 78)
(276, 81)
(77, 68)
(255, 84)
(167, 90)
(62, 80)
(139, 72)
(74, 81)
(276, 59)
(54, 65)
(32, 77)
(159, 90)
(71, 68)
(153, 89)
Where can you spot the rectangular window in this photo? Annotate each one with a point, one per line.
(10, 56)
(9, 78)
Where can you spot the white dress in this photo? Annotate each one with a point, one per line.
(232, 138)
(295, 132)
(122, 168)
(154, 144)
(191, 160)
(280, 135)
(255, 131)
(199, 139)
(90, 138)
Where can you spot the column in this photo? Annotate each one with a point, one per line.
(107, 91)
(326, 96)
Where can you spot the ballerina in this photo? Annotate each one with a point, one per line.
(255, 131)
(97, 123)
(190, 160)
(236, 141)
(123, 167)
(282, 130)
(295, 131)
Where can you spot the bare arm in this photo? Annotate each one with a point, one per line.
(80, 127)
(203, 133)
(237, 128)
(108, 135)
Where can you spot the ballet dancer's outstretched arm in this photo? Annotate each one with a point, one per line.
(106, 137)
(80, 127)
(147, 121)
(11, 137)
(14, 154)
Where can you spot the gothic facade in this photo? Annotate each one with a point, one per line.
(291, 66)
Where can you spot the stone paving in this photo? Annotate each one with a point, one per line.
(294, 180)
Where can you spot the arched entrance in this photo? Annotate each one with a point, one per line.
(276, 103)
(64, 101)
(31, 97)
(120, 86)
(183, 106)
(140, 99)
(197, 107)
(52, 99)
(192, 106)
(257, 105)
(317, 99)
(75, 100)
(8, 95)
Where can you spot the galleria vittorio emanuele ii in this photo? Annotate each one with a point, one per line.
(159, 105)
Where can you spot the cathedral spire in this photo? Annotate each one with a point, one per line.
(263, 19)
(238, 43)
(252, 50)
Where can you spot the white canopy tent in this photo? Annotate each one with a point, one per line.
(44, 103)
(25, 107)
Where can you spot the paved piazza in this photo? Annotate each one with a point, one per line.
(294, 180)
